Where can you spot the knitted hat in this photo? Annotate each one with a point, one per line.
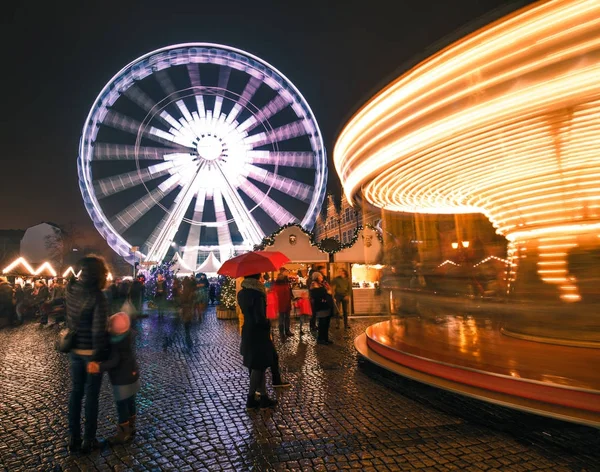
(119, 323)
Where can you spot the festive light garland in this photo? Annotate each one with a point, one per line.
(270, 240)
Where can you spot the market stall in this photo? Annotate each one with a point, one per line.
(361, 260)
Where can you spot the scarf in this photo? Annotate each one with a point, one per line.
(254, 284)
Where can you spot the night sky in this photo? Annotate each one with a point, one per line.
(60, 56)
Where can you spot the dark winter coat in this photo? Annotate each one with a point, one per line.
(121, 365)
(320, 299)
(257, 348)
(87, 314)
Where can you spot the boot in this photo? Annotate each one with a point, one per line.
(132, 425)
(89, 445)
(123, 434)
(266, 402)
(74, 444)
(252, 402)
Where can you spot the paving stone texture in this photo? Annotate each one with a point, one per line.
(340, 413)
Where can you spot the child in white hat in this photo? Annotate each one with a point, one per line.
(123, 372)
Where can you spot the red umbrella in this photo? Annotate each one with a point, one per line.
(253, 263)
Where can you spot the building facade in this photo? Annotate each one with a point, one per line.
(341, 225)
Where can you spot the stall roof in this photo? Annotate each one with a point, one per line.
(297, 246)
(367, 249)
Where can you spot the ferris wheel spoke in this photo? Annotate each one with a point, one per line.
(274, 106)
(275, 211)
(124, 123)
(159, 241)
(170, 90)
(194, 75)
(286, 185)
(283, 133)
(224, 73)
(246, 223)
(245, 97)
(140, 98)
(118, 183)
(223, 233)
(125, 218)
(285, 159)
(122, 152)
(190, 256)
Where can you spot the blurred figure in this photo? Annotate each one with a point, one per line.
(282, 288)
(40, 296)
(201, 295)
(323, 271)
(124, 374)
(160, 295)
(6, 302)
(322, 304)
(136, 294)
(342, 288)
(212, 293)
(187, 301)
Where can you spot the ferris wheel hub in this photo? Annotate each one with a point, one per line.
(209, 147)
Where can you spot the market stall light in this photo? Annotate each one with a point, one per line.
(45, 266)
(16, 263)
(504, 122)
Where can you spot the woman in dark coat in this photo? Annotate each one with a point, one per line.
(87, 314)
(322, 303)
(257, 348)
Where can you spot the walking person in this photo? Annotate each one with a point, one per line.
(283, 289)
(201, 294)
(187, 300)
(323, 271)
(256, 347)
(87, 314)
(341, 289)
(322, 303)
(124, 375)
(160, 295)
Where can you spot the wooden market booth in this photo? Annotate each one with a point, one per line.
(361, 260)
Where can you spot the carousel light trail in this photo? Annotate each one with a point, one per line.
(505, 122)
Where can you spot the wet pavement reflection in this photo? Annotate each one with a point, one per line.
(338, 414)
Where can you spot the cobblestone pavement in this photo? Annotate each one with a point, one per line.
(340, 413)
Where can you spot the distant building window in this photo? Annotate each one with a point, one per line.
(345, 237)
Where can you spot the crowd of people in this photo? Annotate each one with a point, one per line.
(102, 338)
(29, 297)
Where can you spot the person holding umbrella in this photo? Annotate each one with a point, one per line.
(256, 348)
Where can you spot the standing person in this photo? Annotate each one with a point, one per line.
(201, 294)
(282, 288)
(323, 271)
(40, 296)
(322, 303)
(136, 293)
(256, 347)
(342, 288)
(87, 315)
(124, 375)
(160, 295)
(6, 301)
(187, 300)
(212, 293)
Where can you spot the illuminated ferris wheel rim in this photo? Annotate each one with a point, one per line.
(187, 54)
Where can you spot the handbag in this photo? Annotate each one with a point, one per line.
(66, 340)
(323, 313)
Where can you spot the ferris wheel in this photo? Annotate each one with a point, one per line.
(201, 147)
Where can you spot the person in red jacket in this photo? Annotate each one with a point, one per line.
(283, 289)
